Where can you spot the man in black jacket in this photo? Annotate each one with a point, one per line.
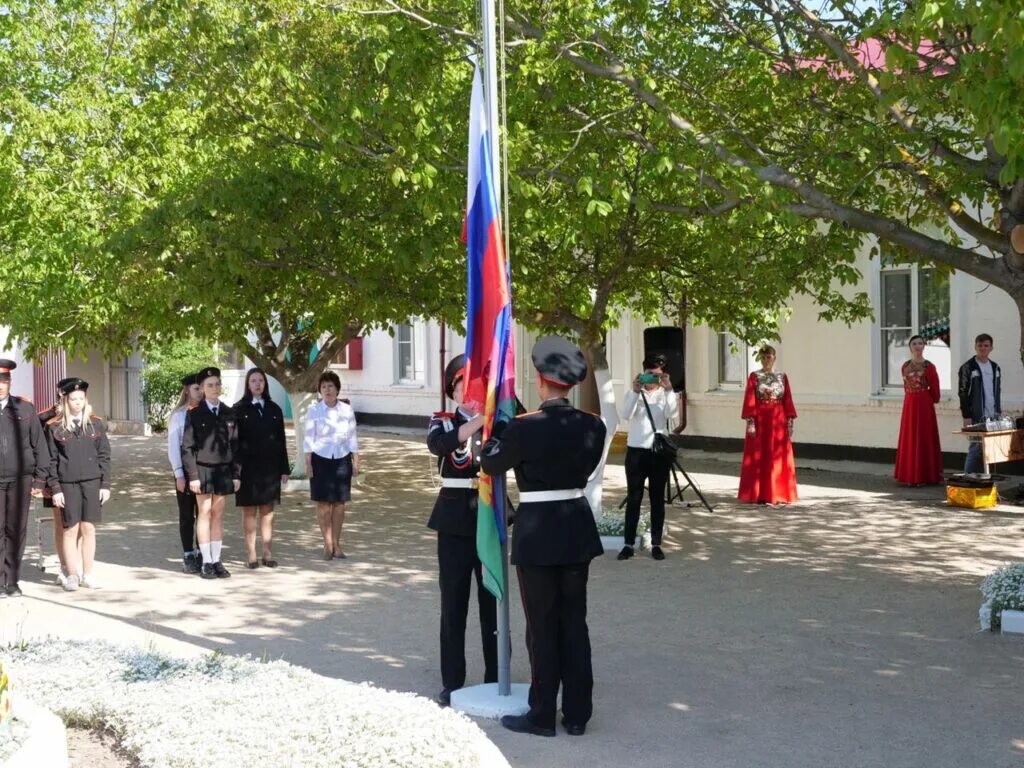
(455, 439)
(24, 465)
(553, 452)
(979, 387)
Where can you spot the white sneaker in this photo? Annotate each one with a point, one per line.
(89, 582)
(71, 584)
(62, 578)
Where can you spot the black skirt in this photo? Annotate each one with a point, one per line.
(332, 479)
(259, 486)
(217, 479)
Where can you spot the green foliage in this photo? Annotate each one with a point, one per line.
(166, 364)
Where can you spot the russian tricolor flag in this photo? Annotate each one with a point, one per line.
(489, 379)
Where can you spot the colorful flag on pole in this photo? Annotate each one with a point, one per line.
(489, 379)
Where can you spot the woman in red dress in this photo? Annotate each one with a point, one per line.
(918, 453)
(768, 475)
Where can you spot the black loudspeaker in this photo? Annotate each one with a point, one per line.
(669, 342)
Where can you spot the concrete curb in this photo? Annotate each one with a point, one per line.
(47, 742)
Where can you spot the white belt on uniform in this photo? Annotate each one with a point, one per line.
(562, 494)
(460, 482)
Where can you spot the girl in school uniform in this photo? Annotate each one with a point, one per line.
(332, 458)
(263, 455)
(79, 479)
(191, 395)
(209, 450)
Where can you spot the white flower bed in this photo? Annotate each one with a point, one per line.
(1003, 589)
(223, 710)
(614, 523)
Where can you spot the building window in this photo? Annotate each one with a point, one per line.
(341, 358)
(914, 301)
(409, 345)
(735, 360)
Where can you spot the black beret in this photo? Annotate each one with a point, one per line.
(559, 361)
(188, 381)
(206, 373)
(453, 372)
(6, 366)
(62, 382)
(74, 385)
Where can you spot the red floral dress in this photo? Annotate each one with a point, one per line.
(918, 453)
(768, 474)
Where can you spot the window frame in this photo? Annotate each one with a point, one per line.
(913, 272)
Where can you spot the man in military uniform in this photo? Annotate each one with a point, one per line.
(58, 526)
(553, 452)
(24, 465)
(209, 456)
(455, 439)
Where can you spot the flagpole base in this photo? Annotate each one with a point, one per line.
(484, 700)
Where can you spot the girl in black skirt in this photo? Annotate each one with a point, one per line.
(209, 450)
(79, 479)
(332, 457)
(263, 454)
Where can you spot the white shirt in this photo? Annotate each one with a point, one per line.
(664, 406)
(330, 432)
(3, 403)
(987, 389)
(175, 436)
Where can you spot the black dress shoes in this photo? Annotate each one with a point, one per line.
(573, 729)
(13, 590)
(625, 553)
(656, 553)
(444, 698)
(207, 572)
(220, 571)
(522, 724)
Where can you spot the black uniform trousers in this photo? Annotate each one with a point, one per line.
(643, 464)
(187, 509)
(457, 565)
(15, 499)
(555, 604)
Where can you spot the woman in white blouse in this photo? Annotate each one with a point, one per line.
(191, 394)
(332, 458)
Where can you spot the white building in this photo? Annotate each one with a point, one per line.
(846, 380)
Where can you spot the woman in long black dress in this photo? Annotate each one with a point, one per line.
(263, 454)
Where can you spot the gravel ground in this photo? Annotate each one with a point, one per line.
(838, 631)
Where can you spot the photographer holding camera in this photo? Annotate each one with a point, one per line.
(648, 407)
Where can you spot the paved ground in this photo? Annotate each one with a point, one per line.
(840, 631)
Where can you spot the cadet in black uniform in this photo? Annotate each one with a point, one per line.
(79, 479)
(58, 523)
(553, 452)
(263, 455)
(24, 465)
(191, 395)
(455, 439)
(209, 448)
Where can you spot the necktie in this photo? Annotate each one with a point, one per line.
(78, 425)
(259, 407)
(214, 409)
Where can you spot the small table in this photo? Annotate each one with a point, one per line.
(997, 447)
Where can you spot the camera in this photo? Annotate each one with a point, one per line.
(649, 378)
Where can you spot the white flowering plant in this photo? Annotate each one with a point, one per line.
(614, 524)
(218, 709)
(1004, 589)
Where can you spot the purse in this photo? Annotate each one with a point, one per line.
(663, 446)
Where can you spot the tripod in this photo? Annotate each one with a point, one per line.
(677, 495)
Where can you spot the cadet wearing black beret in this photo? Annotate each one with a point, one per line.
(24, 465)
(209, 456)
(58, 526)
(191, 394)
(553, 451)
(455, 439)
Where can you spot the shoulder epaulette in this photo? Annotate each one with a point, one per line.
(528, 413)
(443, 415)
(54, 420)
(24, 399)
(94, 417)
(192, 407)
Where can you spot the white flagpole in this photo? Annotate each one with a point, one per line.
(490, 60)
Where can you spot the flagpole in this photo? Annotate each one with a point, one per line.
(490, 61)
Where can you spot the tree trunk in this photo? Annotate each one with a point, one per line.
(610, 415)
(301, 401)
